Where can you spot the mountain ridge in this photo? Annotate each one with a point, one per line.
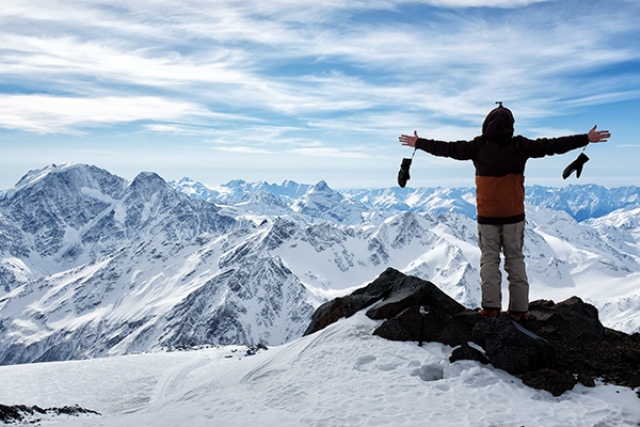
(582, 201)
(93, 265)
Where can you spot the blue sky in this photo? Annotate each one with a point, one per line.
(312, 90)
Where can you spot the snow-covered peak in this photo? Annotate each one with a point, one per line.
(194, 189)
(322, 193)
(147, 184)
(68, 178)
(321, 186)
(33, 176)
(262, 200)
(322, 203)
(235, 183)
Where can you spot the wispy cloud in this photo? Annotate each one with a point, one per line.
(243, 149)
(47, 114)
(282, 58)
(331, 152)
(319, 80)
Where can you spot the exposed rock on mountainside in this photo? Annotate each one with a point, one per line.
(561, 344)
(32, 414)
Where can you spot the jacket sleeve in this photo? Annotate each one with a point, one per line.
(550, 146)
(459, 150)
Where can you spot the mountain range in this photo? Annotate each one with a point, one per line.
(581, 202)
(94, 265)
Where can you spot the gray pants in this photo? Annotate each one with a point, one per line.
(508, 238)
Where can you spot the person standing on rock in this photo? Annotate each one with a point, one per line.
(499, 159)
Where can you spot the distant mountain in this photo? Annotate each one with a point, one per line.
(581, 202)
(93, 265)
(238, 191)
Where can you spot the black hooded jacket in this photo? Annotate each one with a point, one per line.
(500, 160)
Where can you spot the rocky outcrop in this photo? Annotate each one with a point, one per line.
(558, 346)
(24, 415)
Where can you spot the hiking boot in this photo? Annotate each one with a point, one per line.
(519, 315)
(489, 312)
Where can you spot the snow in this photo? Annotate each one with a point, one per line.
(340, 376)
(17, 267)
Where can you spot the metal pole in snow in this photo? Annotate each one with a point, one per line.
(424, 310)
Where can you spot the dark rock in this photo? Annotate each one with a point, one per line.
(586, 380)
(609, 359)
(557, 343)
(407, 291)
(72, 410)
(466, 352)
(511, 347)
(22, 413)
(397, 292)
(10, 414)
(570, 319)
(437, 325)
(550, 380)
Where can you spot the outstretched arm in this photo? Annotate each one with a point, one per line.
(598, 135)
(459, 150)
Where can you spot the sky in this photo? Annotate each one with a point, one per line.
(308, 91)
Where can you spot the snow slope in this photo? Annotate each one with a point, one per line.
(340, 376)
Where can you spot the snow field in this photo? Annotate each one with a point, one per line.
(340, 376)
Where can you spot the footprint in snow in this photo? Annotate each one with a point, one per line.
(364, 363)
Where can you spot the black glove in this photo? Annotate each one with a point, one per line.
(576, 165)
(403, 174)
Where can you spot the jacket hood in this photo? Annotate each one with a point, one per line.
(498, 125)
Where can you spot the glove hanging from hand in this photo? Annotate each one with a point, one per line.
(576, 165)
(403, 174)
